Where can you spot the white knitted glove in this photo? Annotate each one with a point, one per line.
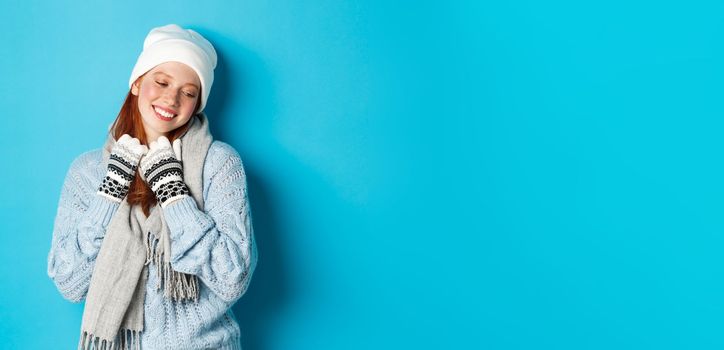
(163, 171)
(122, 165)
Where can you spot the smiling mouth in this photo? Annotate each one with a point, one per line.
(163, 115)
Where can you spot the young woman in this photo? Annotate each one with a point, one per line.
(154, 229)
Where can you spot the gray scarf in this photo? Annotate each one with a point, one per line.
(113, 314)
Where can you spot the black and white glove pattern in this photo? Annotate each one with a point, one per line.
(163, 171)
(122, 165)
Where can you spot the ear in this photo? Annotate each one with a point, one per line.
(134, 88)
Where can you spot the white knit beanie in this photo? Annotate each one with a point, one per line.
(173, 43)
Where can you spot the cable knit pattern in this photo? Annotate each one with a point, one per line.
(216, 244)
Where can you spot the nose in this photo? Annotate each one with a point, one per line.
(170, 97)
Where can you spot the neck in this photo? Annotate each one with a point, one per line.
(153, 136)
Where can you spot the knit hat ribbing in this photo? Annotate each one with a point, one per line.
(173, 43)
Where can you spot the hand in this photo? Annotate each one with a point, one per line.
(164, 172)
(122, 165)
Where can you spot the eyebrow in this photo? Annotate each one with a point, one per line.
(159, 73)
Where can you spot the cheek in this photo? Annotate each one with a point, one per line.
(149, 92)
(190, 105)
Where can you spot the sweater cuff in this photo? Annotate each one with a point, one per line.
(101, 210)
(187, 225)
(92, 229)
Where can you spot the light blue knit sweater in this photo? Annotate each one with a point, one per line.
(216, 244)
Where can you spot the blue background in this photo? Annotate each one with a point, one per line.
(458, 175)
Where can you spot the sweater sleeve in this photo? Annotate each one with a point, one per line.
(78, 230)
(217, 243)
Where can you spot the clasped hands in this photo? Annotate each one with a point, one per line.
(160, 165)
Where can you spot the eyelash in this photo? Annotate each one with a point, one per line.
(187, 94)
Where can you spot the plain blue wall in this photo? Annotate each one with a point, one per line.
(453, 175)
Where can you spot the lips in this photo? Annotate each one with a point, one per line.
(164, 114)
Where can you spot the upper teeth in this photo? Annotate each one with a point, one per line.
(164, 113)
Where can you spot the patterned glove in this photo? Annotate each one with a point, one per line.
(163, 171)
(122, 165)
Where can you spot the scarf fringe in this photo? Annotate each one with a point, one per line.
(125, 340)
(177, 286)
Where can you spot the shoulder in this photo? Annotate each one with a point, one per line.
(87, 164)
(87, 160)
(84, 173)
(222, 149)
(220, 153)
(222, 158)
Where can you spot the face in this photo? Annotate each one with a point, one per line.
(167, 97)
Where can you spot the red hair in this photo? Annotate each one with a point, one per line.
(129, 122)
